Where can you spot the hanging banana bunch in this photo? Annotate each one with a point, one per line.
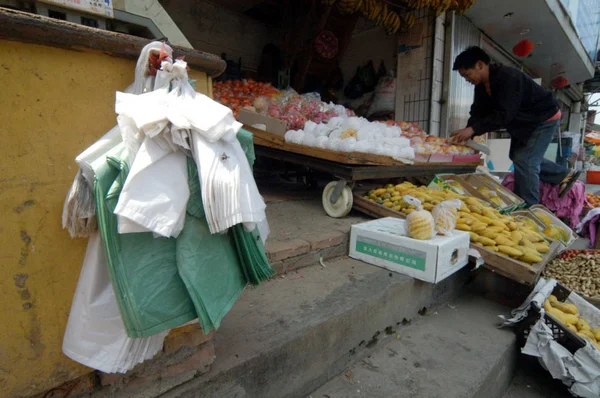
(409, 20)
(392, 23)
(383, 14)
(349, 6)
(376, 8)
(444, 5)
(367, 7)
(416, 4)
(464, 5)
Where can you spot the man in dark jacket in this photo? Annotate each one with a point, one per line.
(507, 98)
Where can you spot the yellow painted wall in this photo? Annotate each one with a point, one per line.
(54, 104)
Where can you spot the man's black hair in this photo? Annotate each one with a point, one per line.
(468, 58)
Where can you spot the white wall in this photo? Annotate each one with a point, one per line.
(215, 29)
(368, 43)
(414, 81)
(153, 10)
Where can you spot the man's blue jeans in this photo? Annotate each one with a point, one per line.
(530, 165)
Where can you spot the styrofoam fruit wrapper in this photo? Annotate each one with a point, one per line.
(289, 135)
(322, 142)
(298, 137)
(309, 139)
(364, 134)
(353, 123)
(323, 130)
(335, 122)
(334, 144)
(419, 224)
(310, 127)
(362, 146)
(445, 216)
(348, 145)
(337, 133)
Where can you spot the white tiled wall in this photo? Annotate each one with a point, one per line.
(420, 72)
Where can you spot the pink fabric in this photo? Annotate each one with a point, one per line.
(589, 230)
(556, 116)
(569, 206)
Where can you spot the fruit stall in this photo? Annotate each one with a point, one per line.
(303, 123)
(303, 130)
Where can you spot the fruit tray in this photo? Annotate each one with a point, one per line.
(509, 267)
(494, 192)
(561, 333)
(567, 237)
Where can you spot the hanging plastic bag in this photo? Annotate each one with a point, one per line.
(419, 223)
(445, 215)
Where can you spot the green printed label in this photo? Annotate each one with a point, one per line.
(403, 256)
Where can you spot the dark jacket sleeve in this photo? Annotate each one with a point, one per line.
(477, 110)
(508, 94)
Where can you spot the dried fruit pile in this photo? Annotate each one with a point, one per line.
(594, 200)
(577, 270)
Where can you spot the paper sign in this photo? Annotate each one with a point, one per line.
(99, 7)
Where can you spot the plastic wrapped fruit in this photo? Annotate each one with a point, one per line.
(445, 215)
(419, 223)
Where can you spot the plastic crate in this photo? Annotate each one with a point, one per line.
(561, 334)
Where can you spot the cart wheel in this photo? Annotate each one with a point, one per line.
(342, 206)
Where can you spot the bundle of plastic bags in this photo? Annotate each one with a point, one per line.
(181, 223)
(230, 195)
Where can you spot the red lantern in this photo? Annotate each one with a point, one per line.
(523, 48)
(560, 82)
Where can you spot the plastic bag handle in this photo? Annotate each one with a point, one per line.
(411, 200)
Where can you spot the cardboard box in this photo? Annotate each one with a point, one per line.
(262, 122)
(384, 243)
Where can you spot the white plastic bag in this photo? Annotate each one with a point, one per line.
(445, 215)
(419, 224)
(95, 335)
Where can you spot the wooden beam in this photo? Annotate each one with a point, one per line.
(31, 28)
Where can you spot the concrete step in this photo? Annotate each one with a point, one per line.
(302, 234)
(533, 381)
(457, 351)
(297, 331)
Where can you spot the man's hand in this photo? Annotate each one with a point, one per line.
(463, 135)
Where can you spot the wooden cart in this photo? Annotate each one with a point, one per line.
(347, 168)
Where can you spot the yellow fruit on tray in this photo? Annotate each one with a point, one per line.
(530, 258)
(553, 232)
(543, 217)
(463, 227)
(587, 333)
(503, 240)
(582, 324)
(541, 247)
(486, 241)
(489, 234)
(511, 251)
(474, 237)
(572, 328)
(566, 308)
(563, 318)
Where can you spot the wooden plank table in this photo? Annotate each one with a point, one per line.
(353, 166)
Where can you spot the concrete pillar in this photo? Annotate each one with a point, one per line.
(575, 118)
